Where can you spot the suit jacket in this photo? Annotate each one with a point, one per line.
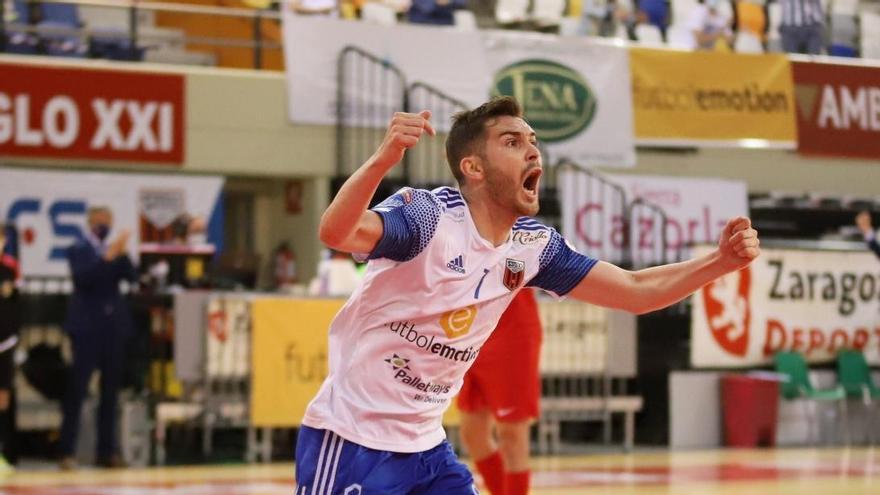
(875, 246)
(96, 306)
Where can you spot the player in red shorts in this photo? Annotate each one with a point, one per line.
(503, 390)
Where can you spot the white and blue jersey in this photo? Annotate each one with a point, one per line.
(433, 291)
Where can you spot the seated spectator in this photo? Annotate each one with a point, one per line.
(750, 16)
(710, 27)
(653, 12)
(439, 12)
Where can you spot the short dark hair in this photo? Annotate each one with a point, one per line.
(468, 130)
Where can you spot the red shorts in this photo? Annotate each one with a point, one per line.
(505, 378)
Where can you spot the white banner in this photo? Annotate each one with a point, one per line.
(697, 210)
(814, 302)
(575, 92)
(443, 57)
(49, 210)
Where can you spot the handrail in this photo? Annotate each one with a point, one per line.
(173, 7)
(133, 34)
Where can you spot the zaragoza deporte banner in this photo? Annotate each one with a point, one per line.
(814, 302)
(710, 98)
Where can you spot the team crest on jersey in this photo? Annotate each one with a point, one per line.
(514, 272)
(407, 196)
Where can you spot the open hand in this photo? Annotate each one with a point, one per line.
(739, 243)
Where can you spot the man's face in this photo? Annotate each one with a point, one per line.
(100, 223)
(512, 164)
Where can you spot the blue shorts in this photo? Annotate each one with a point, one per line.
(326, 464)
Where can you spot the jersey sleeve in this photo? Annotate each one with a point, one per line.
(561, 268)
(409, 219)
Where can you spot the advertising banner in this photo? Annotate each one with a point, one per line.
(814, 302)
(574, 91)
(838, 109)
(697, 210)
(574, 94)
(91, 114)
(49, 210)
(709, 98)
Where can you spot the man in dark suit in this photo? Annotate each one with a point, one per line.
(863, 221)
(10, 319)
(98, 323)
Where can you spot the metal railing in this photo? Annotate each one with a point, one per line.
(369, 90)
(133, 36)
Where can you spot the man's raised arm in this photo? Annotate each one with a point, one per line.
(347, 224)
(654, 288)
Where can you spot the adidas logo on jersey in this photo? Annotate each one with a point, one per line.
(456, 264)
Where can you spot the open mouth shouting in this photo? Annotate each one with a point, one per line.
(531, 181)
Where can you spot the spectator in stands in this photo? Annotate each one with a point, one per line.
(9, 324)
(750, 16)
(99, 324)
(284, 267)
(438, 12)
(802, 26)
(653, 12)
(710, 27)
(863, 221)
(327, 8)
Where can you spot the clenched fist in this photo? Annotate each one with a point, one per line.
(739, 244)
(403, 133)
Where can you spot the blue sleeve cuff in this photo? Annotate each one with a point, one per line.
(562, 269)
(396, 241)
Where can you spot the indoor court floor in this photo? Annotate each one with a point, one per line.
(719, 472)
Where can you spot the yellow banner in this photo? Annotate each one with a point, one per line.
(289, 358)
(681, 97)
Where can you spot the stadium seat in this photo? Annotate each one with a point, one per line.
(747, 43)
(465, 20)
(548, 12)
(774, 19)
(649, 34)
(798, 386)
(379, 14)
(679, 36)
(511, 11)
(870, 30)
(855, 377)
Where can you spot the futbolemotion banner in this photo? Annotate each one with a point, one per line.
(814, 302)
(49, 210)
(574, 91)
(709, 98)
(838, 109)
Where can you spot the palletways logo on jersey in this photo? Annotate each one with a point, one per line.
(558, 103)
(407, 331)
(404, 374)
(728, 311)
(514, 272)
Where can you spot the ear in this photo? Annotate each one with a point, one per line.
(472, 167)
